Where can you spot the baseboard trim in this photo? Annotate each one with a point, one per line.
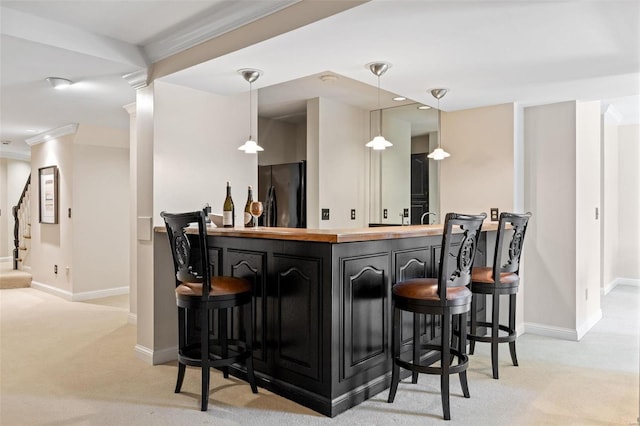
(550, 331)
(620, 281)
(588, 324)
(152, 357)
(79, 297)
(66, 295)
(98, 294)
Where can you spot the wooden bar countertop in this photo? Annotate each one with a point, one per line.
(345, 235)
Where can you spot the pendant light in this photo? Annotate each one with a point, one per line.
(439, 153)
(250, 75)
(379, 142)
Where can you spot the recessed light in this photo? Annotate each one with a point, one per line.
(328, 78)
(399, 98)
(424, 107)
(59, 82)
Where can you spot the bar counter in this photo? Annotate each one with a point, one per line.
(322, 302)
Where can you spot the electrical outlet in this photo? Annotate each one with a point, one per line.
(405, 213)
(55, 269)
(385, 214)
(325, 214)
(353, 214)
(494, 214)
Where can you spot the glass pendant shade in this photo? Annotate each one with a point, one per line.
(379, 143)
(250, 146)
(439, 154)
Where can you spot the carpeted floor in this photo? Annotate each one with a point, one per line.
(72, 363)
(10, 278)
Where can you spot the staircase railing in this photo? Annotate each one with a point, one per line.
(22, 209)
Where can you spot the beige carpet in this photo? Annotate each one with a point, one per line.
(10, 278)
(65, 363)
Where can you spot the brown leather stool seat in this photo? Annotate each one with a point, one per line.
(198, 296)
(446, 297)
(508, 279)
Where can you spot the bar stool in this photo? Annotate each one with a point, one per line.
(446, 296)
(198, 296)
(485, 281)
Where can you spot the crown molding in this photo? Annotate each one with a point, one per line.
(16, 155)
(137, 79)
(52, 134)
(225, 17)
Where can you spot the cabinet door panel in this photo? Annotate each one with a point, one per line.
(365, 313)
(250, 265)
(412, 264)
(297, 321)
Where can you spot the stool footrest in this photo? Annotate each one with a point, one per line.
(463, 361)
(510, 337)
(190, 355)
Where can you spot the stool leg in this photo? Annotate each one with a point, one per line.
(512, 326)
(472, 331)
(222, 331)
(395, 352)
(181, 344)
(249, 347)
(462, 347)
(495, 321)
(181, 370)
(444, 364)
(204, 359)
(416, 345)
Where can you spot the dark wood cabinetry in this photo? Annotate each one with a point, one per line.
(323, 312)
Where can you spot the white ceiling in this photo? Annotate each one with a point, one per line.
(485, 52)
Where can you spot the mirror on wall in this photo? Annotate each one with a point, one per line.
(403, 181)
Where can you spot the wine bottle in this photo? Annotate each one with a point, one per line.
(248, 219)
(228, 210)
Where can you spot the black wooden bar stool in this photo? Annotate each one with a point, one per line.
(198, 296)
(502, 278)
(446, 297)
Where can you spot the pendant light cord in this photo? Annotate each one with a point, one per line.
(250, 108)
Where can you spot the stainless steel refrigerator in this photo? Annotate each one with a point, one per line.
(282, 188)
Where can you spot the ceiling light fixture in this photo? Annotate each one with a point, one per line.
(379, 142)
(423, 107)
(59, 83)
(250, 146)
(399, 98)
(439, 153)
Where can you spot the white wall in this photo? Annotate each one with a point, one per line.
(479, 173)
(196, 140)
(628, 265)
(13, 176)
(611, 228)
(343, 133)
(100, 211)
(52, 244)
(587, 225)
(561, 160)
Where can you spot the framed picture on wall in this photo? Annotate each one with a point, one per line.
(48, 189)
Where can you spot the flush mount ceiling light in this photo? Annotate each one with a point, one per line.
(439, 153)
(379, 142)
(59, 83)
(424, 107)
(250, 75)
(399, 98)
